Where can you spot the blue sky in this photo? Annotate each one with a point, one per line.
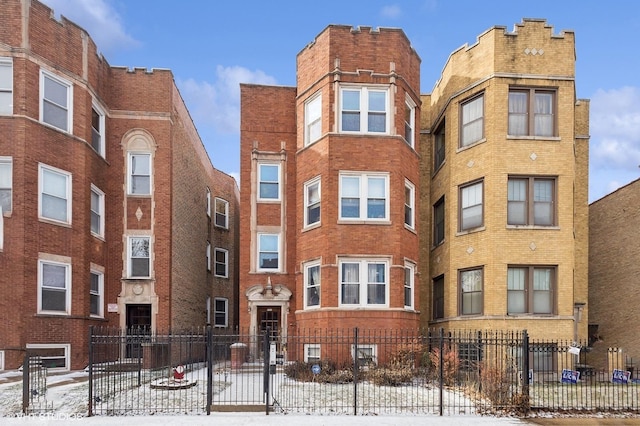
(212, 46)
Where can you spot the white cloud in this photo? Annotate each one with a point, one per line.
(99, 19)
(391, 11)
(217, 103)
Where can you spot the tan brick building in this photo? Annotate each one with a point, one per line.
(365, 205)
(112, 213)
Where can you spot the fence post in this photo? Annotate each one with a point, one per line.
(265, 355)
(525, 373)
(90, 406)
(356, 369)
(25, 383)
(209, 349)
(441, 370)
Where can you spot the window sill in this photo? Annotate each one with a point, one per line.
(470, 231)
(311, 227)
(269, 200)
(139, 195)
(364, 222)
(537, 227)
(471, 145)
(410, 229)
(54, 222)
(534, 138)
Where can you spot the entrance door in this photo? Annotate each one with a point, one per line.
(269, 317)
(138, 329)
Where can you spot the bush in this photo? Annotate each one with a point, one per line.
(329, 372)
(395, 375)
(450, 363)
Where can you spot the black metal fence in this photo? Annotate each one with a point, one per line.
(350, 371)
(34, 386)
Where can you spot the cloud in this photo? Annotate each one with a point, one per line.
(392, 11)
(99, 19)
(217, 103)
(615, 129)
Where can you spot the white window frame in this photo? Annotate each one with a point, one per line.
(363, 108)
(225, 215)
(208, 309)
(469, 201)
(42, 168)
(308, 347)
(260, 250)
(370, 348)
(208, 202)
(470, 122)
(99, 293)
(225, 263)
(309, 204)
(208, 256)
(1, 360)
(409, 284)
(100, 213)
(8, 183)
(130, 239)
(130, 189)
(410, 204)
(100, 132)
(44, 75)
(363, 196)
(42, 287)
(313, 119)
(216, 311)
(66, 356)
(410, 124)
(317, 287)
(6, 88)
(277, 182)
(363, 275)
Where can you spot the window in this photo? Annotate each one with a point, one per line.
(97, 129)
(531, 201)
(139, 257)
(438, 222)
(312, 202)
(208, 256)
(543, 357)
(472, 121)
(311, 353)
(96, 292)
(55, 194)
(409, 277)
(54, 282)
(530, 289)
(364, 196)
(220, 312)
(56, 97)
(6, 184)
(409, 204)
(139, 174)
(367, 354)
(208, 202)
(471, 206)
(364, 110)
(268, 252)
(409, 121)
(269, 181)
(222, 213)
(54, 357)
(438, 297)
(221, 263)
(313, 120)
(363, 282)
(6, 86)
(439, 147)
(312, 284)
(97, 211)
(522, 122)
(471, 291)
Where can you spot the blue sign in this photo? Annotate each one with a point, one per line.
(570, 376)
(315, 369)
(621, 376)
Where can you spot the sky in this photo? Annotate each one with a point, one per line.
(213, 46)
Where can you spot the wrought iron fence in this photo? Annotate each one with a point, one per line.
(34, 386)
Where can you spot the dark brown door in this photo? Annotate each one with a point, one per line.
(138, 329)
(269, 318)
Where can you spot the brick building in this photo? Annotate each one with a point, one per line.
(112, 213)
(368, 205)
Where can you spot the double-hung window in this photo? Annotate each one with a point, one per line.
(364, 282)
(54, 194)
(530, 289)
(54, 282)
(471, 206)
(6, 184)
(221, 259)
(6, 86)
(409, 204)
(312, 202)
(139, 257)
(208, 256)
(531, 201)
(208, 202)
(531, 112)
(56, 100)
(96, 293)
(312, 284)
(471, 289)
(438, 297)
(269, 182)
(139, 174)
(439, 146)
(268, 252)
(313, 120)
(472, 121)
(364, 196)
(438, 222)
(220, 312)
(222, 213)
(364, 110)
(409, 121)
(312, 353)
(97, 129)
(97, 211)
(409, 279)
